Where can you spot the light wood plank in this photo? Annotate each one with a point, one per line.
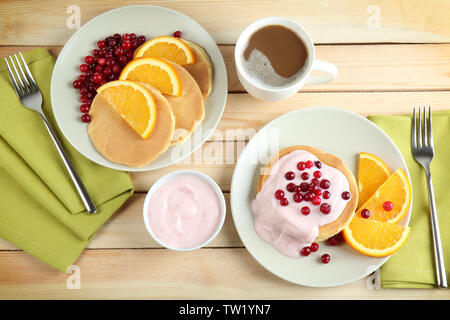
(327, 21)
(164, 274)
(126, 229)
(361, 67)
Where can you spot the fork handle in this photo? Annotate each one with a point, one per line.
(441, 275)
(88, 204)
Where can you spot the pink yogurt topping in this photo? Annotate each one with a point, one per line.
(184, 212)
(285, 227)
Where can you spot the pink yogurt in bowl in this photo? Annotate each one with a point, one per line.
(184, 210)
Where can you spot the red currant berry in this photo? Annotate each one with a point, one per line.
(325, 258)
(86, 118)
(365, 213)
(388, 205)
(314, 247)
(325, 208)
(279, 194)
(306, 211)
(305, 251)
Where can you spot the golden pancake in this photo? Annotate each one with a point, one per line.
(119, 143)
(202, 70)
(188, 109)
(334, 227)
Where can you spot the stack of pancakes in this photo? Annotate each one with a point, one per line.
(176, 116)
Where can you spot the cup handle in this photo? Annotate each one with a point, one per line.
(327, 67)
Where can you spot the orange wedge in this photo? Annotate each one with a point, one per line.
(397, 190)
(133, 102)
(375, 238)
(156, 72)
(170, 48)
(372, 172)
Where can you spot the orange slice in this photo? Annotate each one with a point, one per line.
(133, 102)
(375, 238)
(395, 189)
(170, 48)
(372, 172)
(156, 72)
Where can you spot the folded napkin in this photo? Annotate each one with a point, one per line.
(40, 209)
(413, 265)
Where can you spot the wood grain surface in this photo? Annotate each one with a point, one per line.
(383, 69)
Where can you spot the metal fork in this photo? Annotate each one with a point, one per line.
(30, 96)
(423, 152)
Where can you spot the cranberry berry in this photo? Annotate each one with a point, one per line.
(305, 176)
(178, 34)
(365, 213)
(306, 211)
(301, 166)
(289, 175)
(298, 197)
(284, 202)
(318, 164)
(326, 195)
(279, 194)
(325, 184)
(314, 247)
(86, 118)
(346, 195)
(291, 187)
(388, 206)
(325, 208)
(325, 258)
(316, 200)
(317, 174)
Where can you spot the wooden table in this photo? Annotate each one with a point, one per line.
(391, 55)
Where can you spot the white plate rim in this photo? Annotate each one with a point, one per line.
(209, 131)
(233, 187)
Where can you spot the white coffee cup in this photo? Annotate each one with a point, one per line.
(270, 93)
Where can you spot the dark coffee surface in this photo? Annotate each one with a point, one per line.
(283, 47)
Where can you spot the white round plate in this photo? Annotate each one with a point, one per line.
(150, 21)
(342, 133)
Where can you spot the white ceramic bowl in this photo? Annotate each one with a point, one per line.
(171, 176)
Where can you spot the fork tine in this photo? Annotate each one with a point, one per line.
(17, 77)
(30, 75)
(13, 79)
(425, 130)
(413, 130)
(419, 135)
(27, 85)
(430, 129)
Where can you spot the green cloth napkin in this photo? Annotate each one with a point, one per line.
(413, 265)
(40, 210)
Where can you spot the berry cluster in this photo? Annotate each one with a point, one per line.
(103, 65)
(306, 251)
(314, 190)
